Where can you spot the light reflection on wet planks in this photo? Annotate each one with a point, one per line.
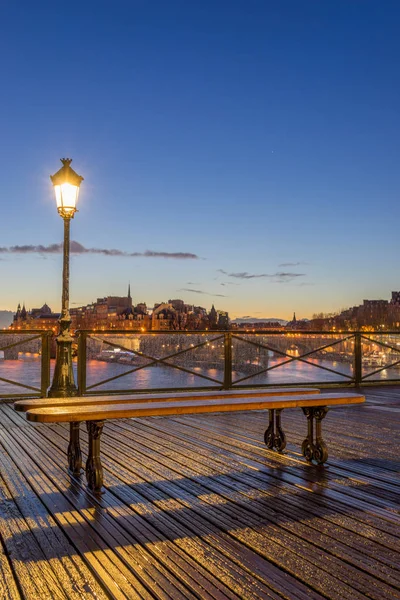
(196, 507)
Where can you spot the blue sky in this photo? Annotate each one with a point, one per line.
(260, 136)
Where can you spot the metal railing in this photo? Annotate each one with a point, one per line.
(120, 361)
(34, 376)
(233, 359)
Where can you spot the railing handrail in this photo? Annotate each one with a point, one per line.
(48, 332)
(233, 331)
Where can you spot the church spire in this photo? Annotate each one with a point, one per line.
(129, 290)
(213, 317)
(23, 312)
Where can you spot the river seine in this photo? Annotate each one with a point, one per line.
(26, 371)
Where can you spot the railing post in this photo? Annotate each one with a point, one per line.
(357, 359)
(228, 361)
(82, 337)
(45, 365)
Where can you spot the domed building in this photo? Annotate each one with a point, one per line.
(37, 318)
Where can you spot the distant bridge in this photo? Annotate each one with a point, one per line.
(23, 342)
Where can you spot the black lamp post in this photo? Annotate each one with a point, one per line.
(66, 186)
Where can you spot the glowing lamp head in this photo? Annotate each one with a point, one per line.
(66, 186)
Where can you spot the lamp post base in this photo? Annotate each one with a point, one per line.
(63, 379)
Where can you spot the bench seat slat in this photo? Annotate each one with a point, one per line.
(58, 414)
(24, 405)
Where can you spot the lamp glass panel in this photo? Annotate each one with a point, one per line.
(57, 189)
(69, 195)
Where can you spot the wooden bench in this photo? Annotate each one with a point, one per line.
(96, 410)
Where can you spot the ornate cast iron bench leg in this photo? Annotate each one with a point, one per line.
(317, 451)
(74, 449)
(94, 469)
(274, 436)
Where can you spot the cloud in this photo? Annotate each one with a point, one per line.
(242, 275)
(224, 283)
(52, 249)
(279, 277)
(282, 276)
(77, 248)
(200, 292)
(305, 283)
(292, 264)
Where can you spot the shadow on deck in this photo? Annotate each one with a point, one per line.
(197, 507)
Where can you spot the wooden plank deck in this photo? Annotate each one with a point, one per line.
(197, 507)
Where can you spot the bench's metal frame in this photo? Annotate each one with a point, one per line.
(313, 447)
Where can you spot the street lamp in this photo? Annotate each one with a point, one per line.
(66, 186)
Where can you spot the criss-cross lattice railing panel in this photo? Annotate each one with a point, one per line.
(199, 353)
(20, 364)
(380, 356)
(249, 358)
(129, 362)
(263, 359)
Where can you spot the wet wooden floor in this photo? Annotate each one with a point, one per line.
(196, 507)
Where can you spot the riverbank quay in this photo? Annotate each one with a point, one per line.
(197, 507)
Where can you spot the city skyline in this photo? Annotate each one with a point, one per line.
(235, 154)
(367, 309)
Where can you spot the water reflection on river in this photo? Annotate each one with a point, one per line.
(26, 370)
